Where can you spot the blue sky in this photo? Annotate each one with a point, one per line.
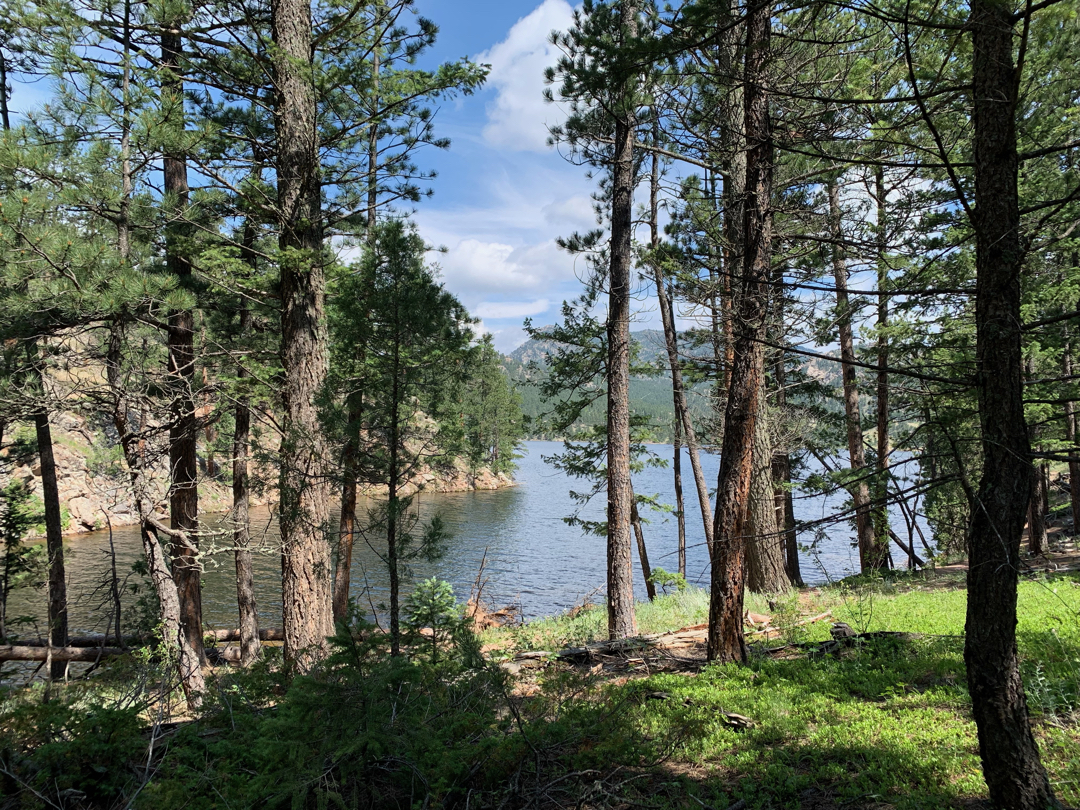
(502, 195)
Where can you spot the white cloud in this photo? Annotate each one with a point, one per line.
(576, 212)
(512, 309)
(475, 270)
(519, 116)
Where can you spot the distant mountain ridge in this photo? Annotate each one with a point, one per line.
(650, 395)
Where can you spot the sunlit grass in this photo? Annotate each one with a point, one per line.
(885, 723)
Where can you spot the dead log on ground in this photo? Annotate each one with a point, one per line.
(20, 652)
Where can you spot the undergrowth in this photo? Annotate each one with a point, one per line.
(885, 723)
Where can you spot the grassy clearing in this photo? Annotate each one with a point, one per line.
(884, 724)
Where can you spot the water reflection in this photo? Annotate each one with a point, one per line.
(532, 557)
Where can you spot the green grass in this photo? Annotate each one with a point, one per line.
(582, 626)
(885, 724)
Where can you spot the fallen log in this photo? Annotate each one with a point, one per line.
(22, 652)
(101, 640)
(777, 630)
(271, 634)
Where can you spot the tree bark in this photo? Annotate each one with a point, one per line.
(881, 478)
(1070, 433)
(764, 543)
(643, 552)
(54, 524)
(307, 610)
(183, 430)
(351, 451)
(392, 501)
(671, 341)
(622, 621)
(781, 460)
(726, 641)
(173, 635)
(873, 555)
(682, 410)
(1010, 756)
(680, 505)
(1037, 538)
(347, 524)
(245, 574)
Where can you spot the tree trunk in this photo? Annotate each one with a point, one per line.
(643, 552)
(307, 610)
(622, 621)
(726, 641)
(173, 635)
(682, 410)
(54, 524)
(351, 452)
(1070, 434)
(881, 477)
(873, 556)
(183, 459)
(680, 506)
(764, 542)
(245, 574)
(392, 505)
(1036, 515)
(781, 460)
(347, 524)
(1010, 756)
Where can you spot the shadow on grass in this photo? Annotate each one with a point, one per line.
(883, 724)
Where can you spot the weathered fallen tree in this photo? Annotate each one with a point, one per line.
(101, 640)
(23, 652)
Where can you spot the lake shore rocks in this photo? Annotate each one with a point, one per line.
(95, 490)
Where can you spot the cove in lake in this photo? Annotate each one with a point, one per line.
(533, 559)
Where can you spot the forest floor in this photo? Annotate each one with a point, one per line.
(880, 721)
(554, 717)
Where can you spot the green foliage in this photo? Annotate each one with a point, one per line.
(432, 618)
(61, 752)
(667, 579)
(20, 564)
(492, 423)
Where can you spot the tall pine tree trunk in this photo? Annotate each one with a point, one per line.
(643, 552)
(765, 557)
(1037, 538)
(678, 390)
(54, 524)
(726, 641)
(680, 506)
(881, 477)
(781, 460)
(50, 492)
(392, 502)
(1070, 433)
(1010, 756)
(174, 636)
(873, 555)
(622, 621)
(183, 459)
(307, 610)
(245, 574)
(351, 453)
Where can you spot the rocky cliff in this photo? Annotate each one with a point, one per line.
(95, 490)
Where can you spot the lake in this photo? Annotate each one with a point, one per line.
(533, 558)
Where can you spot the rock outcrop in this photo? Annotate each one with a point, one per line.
(95, 490)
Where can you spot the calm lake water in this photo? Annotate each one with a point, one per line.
(534, 559)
